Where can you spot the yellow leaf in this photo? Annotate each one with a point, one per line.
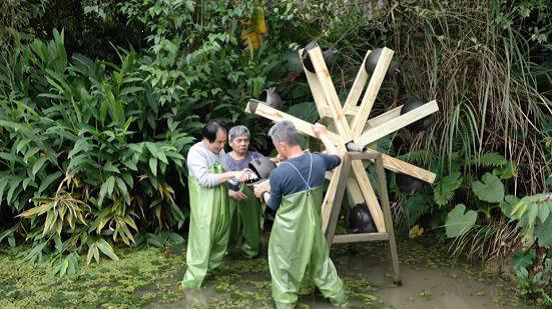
(415, 231)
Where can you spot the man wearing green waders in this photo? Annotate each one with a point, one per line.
(297, 244)
(209, 210)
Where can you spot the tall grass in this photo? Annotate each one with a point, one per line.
(479, 67)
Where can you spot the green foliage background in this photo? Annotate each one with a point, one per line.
(100, 100)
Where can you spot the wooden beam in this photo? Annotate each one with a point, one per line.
(358, 86)
(375, 133)
(382, 183)
(351, 111)
(363, 155)
(259, 108)
(330, 94)
(399, 166)
(337, 197)
(372, 91)
(316, 90)
(369, 194)
(383, 118)
(339, 239)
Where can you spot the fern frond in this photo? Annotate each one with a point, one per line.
(490, 159)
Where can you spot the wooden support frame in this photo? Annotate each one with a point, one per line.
(351, 123)
(337, 201)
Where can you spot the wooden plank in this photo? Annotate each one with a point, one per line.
(354, 191)
(399, 166)
(375, 133)
(363, 155)
(339, 239)
(372, 91)
(330, 94)
(351, 111)
(358, 86)
(337, 199)
(369, 195)
(329, 197)
(390, 163)
(382, 182)
(380, 119)
(316, 90)
(258, 108)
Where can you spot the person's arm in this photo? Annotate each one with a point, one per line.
(272, 196)
(322, 133)
(197, 166)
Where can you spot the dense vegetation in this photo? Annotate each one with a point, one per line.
(100, 100)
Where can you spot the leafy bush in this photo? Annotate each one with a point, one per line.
(82, 140)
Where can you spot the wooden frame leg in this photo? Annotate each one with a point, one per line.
(382, 182)
(338, 199)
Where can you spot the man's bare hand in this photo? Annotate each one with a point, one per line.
(258, 190)
(237, 195)
(243, 175)
(319, 130)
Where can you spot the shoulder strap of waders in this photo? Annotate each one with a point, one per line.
(300, 175)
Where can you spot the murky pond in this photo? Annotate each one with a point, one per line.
(148, 278)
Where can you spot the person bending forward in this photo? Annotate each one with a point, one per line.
(209, 210)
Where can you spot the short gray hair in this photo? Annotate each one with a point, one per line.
(286, 132)
(238, 131)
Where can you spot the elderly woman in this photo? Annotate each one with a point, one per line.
(245, 211)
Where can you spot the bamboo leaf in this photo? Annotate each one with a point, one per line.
(48, 180)
(107, 249)
(153, 166)
(38, 165)
(123, 190)
(110, 185)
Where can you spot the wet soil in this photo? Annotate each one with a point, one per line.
(148, 278)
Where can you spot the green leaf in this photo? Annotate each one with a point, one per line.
(415, 206)
(508, 204)
(506, 171)
(444, 189)
(543, 232)
(153, 166)
(128, 179)
(523, 259)
(130, 164)
(37, 165)
(123, 189)
(48, 180)
(111, 168)
(106, 249)
(152, 149)
(491, 159)
(459, 222)
(490, 189)
(101, 195)
(130, 90)
(110, 183)
(3, 183)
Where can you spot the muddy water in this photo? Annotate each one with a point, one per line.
(433, 285)
(430, 280)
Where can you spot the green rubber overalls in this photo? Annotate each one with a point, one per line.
(245, 221)
(297, 244)
(209, 229)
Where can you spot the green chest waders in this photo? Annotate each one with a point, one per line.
(209, 229)
(245, 223)
(297, 245)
